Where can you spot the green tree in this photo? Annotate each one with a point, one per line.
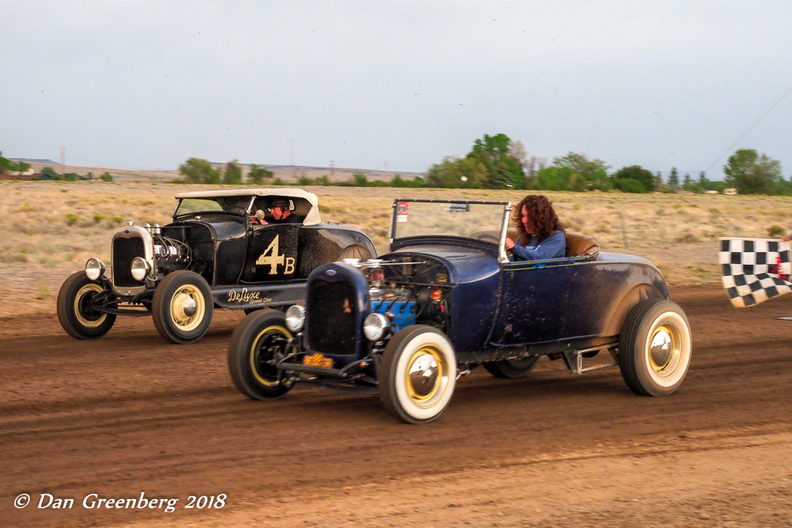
(258, 174)
(673, 180)
(593, 172)
(634, 172)
(197, 170)
(751, 173)
(456, 173)
(5, 164)
(48, 173)
(232, 175)
(687, 182)
(19, 166)
(629, 185)
(359, 180)
(558, 179)
(106, 177)
(496, 154)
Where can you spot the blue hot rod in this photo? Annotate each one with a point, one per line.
(448, 298)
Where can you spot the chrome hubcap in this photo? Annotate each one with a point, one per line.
(662, 349)
(427, 377)
(190, 307)
(423, 376)
(187, 308)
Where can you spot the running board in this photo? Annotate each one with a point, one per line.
(574, 358)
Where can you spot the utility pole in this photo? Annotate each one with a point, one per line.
(332, 170)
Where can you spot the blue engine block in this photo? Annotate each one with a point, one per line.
(405, 311)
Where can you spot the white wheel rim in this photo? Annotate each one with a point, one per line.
(88, 289)
(425, 376)
(187, 308)
(667, 349)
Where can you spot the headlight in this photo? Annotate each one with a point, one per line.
(94, 268)
(374, 326)
(295, 318)
(139, 268)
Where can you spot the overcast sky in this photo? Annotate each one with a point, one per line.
(147, 84)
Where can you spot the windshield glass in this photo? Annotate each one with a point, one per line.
(230, 204)
(481, 221)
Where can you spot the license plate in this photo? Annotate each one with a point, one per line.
(318, 360)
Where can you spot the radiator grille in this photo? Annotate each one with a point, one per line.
(124, 251)
(332, 317)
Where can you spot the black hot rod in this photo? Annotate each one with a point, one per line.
(224, 248)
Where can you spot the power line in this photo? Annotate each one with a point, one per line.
(748, 131)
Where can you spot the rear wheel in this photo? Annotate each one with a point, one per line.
(512, 368)
(417, 374)
(655, 348)
(357, 251)
(256, 346)
(76, 311)
(182, 307)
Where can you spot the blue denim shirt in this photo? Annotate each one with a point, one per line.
(551, 247)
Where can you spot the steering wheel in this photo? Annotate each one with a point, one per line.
(489, 237)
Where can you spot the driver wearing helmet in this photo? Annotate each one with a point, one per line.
(279, 209)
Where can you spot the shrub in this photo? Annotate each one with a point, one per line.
(72, 219)
(686, 238)
(42, 292)
(629, 185)
(775, 231)
(360, 180)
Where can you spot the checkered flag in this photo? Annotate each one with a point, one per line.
(754, 270)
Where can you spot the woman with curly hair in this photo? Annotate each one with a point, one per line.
(542, 236)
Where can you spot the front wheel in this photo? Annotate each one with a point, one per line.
(182, 307)
(417, 374)
(76, 311)
(257, 344)
(655, 347)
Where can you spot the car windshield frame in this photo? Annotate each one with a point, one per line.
(416, 218)
(220, 205)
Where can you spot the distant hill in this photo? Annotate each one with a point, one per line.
(287, 173)
(46, 161)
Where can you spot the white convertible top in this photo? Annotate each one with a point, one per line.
(306, 204)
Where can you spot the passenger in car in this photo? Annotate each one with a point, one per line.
(542, 236)
(237, 204)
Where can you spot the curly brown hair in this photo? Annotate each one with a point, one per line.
(542, 214)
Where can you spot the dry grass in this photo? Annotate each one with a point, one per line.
(49, 229)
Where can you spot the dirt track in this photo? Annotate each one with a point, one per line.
(129, 413)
